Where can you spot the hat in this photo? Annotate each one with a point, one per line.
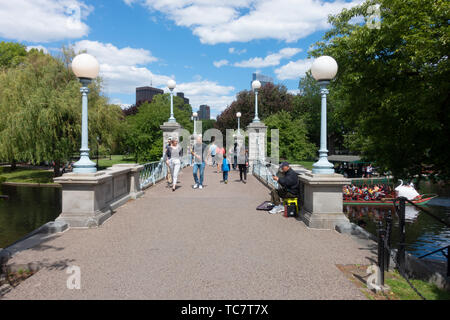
(284, 164)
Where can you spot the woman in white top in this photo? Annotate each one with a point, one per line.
(176, 153)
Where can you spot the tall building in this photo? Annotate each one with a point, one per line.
(147, 93)
(262, 78)
(204, 113)
(181, 95)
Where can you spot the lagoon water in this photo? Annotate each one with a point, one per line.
(27, 209)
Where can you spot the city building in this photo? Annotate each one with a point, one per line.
(204, 113)
(262, 78)
(181, 95)
(146, 94)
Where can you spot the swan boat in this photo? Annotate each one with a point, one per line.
(407, 191)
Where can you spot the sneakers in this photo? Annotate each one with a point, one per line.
(226, 181)
(195, 186)
(277, 209)
(200, 187)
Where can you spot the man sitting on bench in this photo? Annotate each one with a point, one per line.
(288, 187)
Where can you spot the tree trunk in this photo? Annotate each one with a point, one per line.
(13, 165)
(56, 169)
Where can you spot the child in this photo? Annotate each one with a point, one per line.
(225, 168)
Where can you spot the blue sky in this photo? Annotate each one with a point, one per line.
(210, 47)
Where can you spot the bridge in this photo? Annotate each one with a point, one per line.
(194, 244)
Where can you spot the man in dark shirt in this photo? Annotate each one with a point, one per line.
(288, 187)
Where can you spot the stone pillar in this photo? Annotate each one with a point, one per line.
(322, 203)
(169, 130)
(134, 176)
(89, 199)
(257, 136)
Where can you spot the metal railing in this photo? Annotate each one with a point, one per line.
(385, 253)
(156, 171)
(264, 172)
(152, 173)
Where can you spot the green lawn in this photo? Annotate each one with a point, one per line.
(104, 163)
(403, 291)
(307, 164)
(21, 175)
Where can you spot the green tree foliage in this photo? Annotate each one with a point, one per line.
(144, 137)
(294, 144)
(271, 99)
(393, 83)
(40, 103)
(307, 105)
(11, 54)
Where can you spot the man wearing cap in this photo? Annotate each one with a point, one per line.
(288, 187)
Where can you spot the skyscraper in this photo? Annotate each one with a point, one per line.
(147, 94)
(261, 78)
(204, 113)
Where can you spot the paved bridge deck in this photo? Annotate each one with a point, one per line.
(195, 244)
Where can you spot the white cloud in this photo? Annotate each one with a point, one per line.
(270, 60)
(235, 51)
(294, 69)
(122, 69)
(217, 21)
(207, 92)
(43, 20)
(220, 63)
(110, 54)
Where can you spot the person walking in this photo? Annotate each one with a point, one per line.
(219, 157)
(225, 168)
(166, 158)
(212, 151)
(243, 164)
(176, 153)
(199, 153)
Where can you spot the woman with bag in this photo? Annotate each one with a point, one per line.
(176, 152)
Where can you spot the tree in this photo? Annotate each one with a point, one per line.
(40, 103)
(11, 54)
(393, 84)
(144, 136)
(271, 99)
(294, 144)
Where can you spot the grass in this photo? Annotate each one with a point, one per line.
(399, 288)
(104, 163)
(22, 175)
(403, 291)
(307, 164)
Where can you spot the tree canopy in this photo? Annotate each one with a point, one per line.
(393, 83)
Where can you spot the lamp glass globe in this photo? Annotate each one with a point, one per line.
(256, 85)
(238, 114)
(85, 66)
(171, 84)
(195, 114)
(324, 68)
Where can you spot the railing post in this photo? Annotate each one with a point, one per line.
(401, 247)
(381, 249)
(388, 239)
(448, 261)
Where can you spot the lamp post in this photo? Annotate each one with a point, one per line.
(171, 84)
(195, 115)
(323, 70)
(239, 115)
(86, 68)
(255, 86)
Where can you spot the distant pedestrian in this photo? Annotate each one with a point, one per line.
(219, 157)
(212, 151)
(243, 164)
(166, 158)
(225, 168)
(176, 153)
(199, 153)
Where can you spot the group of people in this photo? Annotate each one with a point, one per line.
(367, 193)
(200, 153)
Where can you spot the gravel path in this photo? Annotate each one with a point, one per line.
(195, 244)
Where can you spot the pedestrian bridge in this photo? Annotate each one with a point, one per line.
(194, 244)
